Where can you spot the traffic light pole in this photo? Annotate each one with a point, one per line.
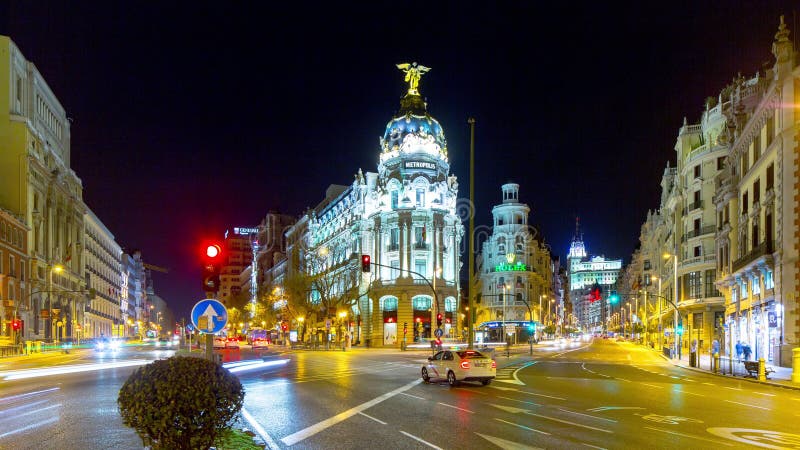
(471, 254)
(530, 313)
(433, 289)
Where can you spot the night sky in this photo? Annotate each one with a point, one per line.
(192, 118)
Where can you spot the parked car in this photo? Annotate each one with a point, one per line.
(219, 342)
(455, 366)
(232, 343)
(260, 343)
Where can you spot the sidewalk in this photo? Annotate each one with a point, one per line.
(781, 377)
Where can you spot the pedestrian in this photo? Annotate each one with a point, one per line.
(739, 349)
(747, 351)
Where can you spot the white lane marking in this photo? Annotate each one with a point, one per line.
(370, 417)
(420, 440)
(260, 430)
(57, 405)
(543, 395)
(506, 444)
(471, 391)
(569, 423)
(593, 446)
(690, 436)
(28, 394)
(710, 384)
(522, 426)
(652, 385)
(415, 396)
(733, 389)
(749, 406)
(514, 375)
(320, 426)
(587, 415)
(623, 379)
(686, 392)
(61, 370)
(456, 407)
(521, 401)
(673, 376)
(33, 425)
(8, 411)
(764, 393)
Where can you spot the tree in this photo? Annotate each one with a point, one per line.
(180, 402)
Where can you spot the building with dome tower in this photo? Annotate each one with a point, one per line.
(404, 218)
(586, 272)
(515, 272)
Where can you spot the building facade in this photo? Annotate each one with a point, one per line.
(516, 276)
(14, 285)
(104, 314)
(403, 218)
(757, 207)
(586, 272)
(37, 184)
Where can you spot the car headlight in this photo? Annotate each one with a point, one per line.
(101, 346)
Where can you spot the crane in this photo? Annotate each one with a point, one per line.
(156, 268)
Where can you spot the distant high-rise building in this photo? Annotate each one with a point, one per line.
(584, 273)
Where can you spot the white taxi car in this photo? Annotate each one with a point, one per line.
(460, 365)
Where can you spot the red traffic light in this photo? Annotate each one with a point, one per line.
(365, 263)
(213, 250)
(16, 325)
(439, 316)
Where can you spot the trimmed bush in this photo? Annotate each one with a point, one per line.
(180, 402)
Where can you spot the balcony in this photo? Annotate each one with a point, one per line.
(709, 229)
(392, 247)
(696, 205)
(420, 246)
(765, 248)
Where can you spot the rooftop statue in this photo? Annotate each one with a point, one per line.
(413, 73)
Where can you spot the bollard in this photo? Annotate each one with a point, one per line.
(762, 376)
(796, 365)
(716, 363)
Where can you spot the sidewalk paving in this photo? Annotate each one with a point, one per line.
(781, 377)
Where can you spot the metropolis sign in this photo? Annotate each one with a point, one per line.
(419, 165)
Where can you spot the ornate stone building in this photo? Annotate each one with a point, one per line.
(515, 274)
(37, 184)
(404, 218)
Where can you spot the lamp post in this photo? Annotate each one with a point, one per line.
(58, 268)
(540, 308)
(505, 287)
(675, 297)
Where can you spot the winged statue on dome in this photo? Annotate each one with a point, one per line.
(413, 73)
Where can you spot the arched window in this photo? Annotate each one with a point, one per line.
(389, 304)
(421, 302)
(450, 304)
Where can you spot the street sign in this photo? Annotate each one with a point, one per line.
(438, 333)
(209, 316)
(190, 327)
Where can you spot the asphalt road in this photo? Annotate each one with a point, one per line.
(598, 395)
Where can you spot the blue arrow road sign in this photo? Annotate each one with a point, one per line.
(209, 316)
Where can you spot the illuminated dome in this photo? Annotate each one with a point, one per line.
(413, 131)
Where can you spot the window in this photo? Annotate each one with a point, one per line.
(756, 191)
(390, 304)
(395, 269)
(697, 321)
(769, 282)
(395, 198)
(770, 129)
(696, 225)
(420, 267)
(419, 235)
(499, 221)
(720, 162)
(693, 279)
(11, 261)
(710, 288)
(697, 171)
(770, 176)
(646, 264)
(744, 162)
(756, 148)
(394, 238)
(697, 251)
(420, 198)
(755, 235)
(696, 199)
(756, 285)
(421, 303)
(743, 287)
(744, 203)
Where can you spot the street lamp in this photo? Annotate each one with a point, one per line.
(675, 297)
(58, 268)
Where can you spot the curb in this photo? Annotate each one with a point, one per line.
(749, 380)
